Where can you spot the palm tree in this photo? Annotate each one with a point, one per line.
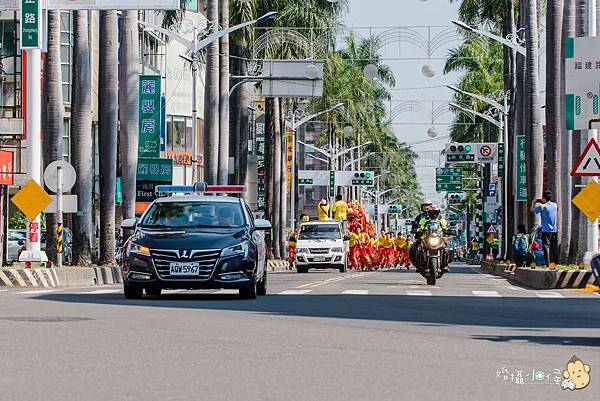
(566, 139)
(554, 111)
(53, 114)
(128, 109)
(108, 112)
(223, 168)
(81, 140)
(211, 100)
(534, 139)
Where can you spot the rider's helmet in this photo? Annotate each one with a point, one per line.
(426, 204)
(433, 212)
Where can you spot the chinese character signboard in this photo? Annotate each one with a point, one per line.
(521, 172)
(582, 70)
(31, 33)
(289, 152)
(149, 115)
(6, 167)
(158, 170)
(448, 179)
(260, 153)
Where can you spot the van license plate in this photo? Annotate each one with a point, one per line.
(184, 269)
(319, 258)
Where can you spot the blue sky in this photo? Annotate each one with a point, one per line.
(414, 16)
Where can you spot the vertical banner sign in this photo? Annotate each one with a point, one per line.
(163, 124)
(521, 172)
(331, 183)
(31, 33)
(500, 160)
(260, 153)
(149, 116)
(289, 146)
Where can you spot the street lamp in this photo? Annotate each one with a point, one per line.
(195, 46)
(513, 45)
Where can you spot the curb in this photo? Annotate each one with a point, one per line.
(542, 279)
(65, 277)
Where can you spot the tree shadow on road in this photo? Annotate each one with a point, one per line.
(545, 340)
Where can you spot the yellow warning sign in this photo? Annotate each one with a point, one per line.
(588, 200)
(31, 199)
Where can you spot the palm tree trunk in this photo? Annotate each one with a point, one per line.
(81, 140)
(275, 120)
(520, 115)
(223, 174)
(284, 183)
(244, 135)
(235, 107)
(211, 101)
(53, 115)
(566, 138)
(108, 90)
(534, 136)
(554, 110)
(128, 108)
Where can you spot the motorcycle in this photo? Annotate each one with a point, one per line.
(432, 255)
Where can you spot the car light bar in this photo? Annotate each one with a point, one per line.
(200, 187)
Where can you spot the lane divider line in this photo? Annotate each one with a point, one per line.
(355, 292)
(294, 292)
(419, 293)
(549, 294)
(492, 294)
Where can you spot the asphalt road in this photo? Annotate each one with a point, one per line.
(322, 336)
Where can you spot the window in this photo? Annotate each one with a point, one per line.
(66, 52)
(179, 134)
(66, 142)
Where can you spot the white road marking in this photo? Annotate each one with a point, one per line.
(36, 292)
(98, 292)
(226, 291)
(294, 292)
(3, 290)
(486, 294)
(418, 293)
(549, 294)
(512, 287)
(356, 292)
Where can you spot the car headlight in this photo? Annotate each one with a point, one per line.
(139, 249)
(240, 249)
(302, 250)
(337, 250)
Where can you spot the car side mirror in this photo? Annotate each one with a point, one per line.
(262, 224)
(129, 224)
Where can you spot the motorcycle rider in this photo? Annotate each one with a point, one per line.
(434, 214)
(412, 253)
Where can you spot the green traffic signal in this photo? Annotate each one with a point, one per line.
(468, 148)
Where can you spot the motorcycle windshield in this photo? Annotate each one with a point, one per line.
(434, 226)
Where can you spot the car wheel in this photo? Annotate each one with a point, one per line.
(302, 269)
(262, 285)
(132, 292)
(343, 268)
(249, 291)
(153, 291)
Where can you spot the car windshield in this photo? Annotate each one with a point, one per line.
(320, 231)
(194, 215)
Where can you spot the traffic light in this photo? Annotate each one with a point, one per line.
(394, 209)
(457, 197)
(460, 153)
(363, 178)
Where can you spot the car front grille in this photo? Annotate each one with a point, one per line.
(319, 251)
(206, 258)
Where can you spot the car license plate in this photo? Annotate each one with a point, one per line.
(319, 258)
(184, 269)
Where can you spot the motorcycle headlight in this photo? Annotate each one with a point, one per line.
(240, 249)
(139, 249)
(338, 250)
(434, 242)
(302, 250)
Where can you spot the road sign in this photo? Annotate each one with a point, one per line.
(313, 177)
(31, 199)
(394, 209)
(69, 204)
(448, 179)
(501, 159)
(31, 24)
(492, 189)
(51, 176)
(334, 178)
(331, 183)
(487, 153)
(492, 229)
(588, 200)
(521, 172)
(589, 161)
(304, 78)
(460, 153)
(581, 83)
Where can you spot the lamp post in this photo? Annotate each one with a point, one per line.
(195, 46)
(296, 120)
(513, 44)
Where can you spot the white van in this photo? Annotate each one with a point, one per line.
(321, 245)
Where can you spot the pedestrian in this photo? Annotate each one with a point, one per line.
(323, 209)
(474, 248)
(520, 246)
(548, 212)
(340, 209)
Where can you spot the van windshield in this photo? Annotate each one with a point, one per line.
(320, 231)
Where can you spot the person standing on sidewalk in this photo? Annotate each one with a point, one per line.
(548, 211)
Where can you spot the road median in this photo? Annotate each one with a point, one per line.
(60, 277)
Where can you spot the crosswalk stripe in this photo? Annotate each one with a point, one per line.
(97, 292)
(294, 292)
(418, 293)
(36, 292)
(549, 295)
(226, 291)
(356, 292)
(486, 294)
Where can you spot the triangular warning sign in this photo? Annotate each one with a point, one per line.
(492, 230)
(589, 161)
